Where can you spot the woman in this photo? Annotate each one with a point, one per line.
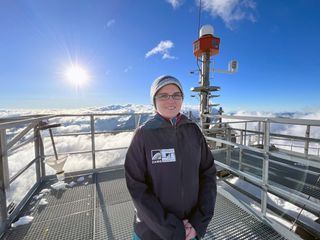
(170, 171)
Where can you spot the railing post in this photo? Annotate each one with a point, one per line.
(265, 168)
(240, 159)
(306, 144)
(137, 120)
(245, 133)
(259, 130)
(3, 181)
(36, 135)
(228, 147)
(41, 153)
(93, 147)
(262, 138)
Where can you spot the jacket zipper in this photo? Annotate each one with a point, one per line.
(181, 173)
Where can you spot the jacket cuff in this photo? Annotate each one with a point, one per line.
(179, 231)
(198, 223)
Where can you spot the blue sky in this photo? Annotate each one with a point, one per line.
(275, 42)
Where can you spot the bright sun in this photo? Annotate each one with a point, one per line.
(77, 75)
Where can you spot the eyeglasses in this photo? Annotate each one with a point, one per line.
(165, 96)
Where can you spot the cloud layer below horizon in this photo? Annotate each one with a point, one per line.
(76, 162)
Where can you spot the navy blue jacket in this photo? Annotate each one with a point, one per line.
(171, 176)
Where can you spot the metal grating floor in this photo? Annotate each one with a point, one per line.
(101, 208)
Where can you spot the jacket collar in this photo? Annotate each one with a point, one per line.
(178, 120)
(174, 121)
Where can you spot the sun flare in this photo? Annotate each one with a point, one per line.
(77, 75)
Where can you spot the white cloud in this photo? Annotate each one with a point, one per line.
(175, 3)
(230, 11)
(167, 56)
(163, 49)
(111, 22)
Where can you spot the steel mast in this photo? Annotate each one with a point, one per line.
(206, 46)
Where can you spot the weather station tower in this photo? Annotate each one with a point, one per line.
(205, 47)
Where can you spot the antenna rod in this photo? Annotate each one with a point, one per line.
(199, 19)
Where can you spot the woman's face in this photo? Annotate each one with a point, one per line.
(170, 107)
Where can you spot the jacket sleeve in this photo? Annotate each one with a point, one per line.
(203, 213)
(150, 211)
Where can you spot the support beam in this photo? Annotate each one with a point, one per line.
(37, 153)
(4, 180)
(93, 147)
(265, 169)
(20, 135)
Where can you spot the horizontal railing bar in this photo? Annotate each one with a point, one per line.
(17, 118)
(88, 151)
(17, 210)
(289, 137)
(89, 133)
(221, 123)
(71, 134)
(252, 179)
(14, 177)
(310, 122)
(20, 135)
(87, 171)
(110, 149)
(30, 139)
(235, 145)
(58, 135)
(295, 146)
(305, 160)
(243, 164)
(216, 128)
(275, 190)
(11, 124)
(114, 131)
(294, 198)
(282, 164)
(103, 114)
(281, 135)
(297, 169)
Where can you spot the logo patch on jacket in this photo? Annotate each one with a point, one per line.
(163, 155)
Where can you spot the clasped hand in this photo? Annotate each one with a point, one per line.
(190, 231)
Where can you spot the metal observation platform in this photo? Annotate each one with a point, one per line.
(268, 183)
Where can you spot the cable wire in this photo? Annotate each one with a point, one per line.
(296, 219)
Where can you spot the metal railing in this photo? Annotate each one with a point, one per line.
(229, 138)
(222, 133)
(32, 123)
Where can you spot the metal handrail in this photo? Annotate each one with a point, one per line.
(10, 124)
(34, 118)
(285, 136)
(265, 152)
(33, 121)
(22, 170)
(88, 133)
(266, 137)
(312, 122)
(87, 151)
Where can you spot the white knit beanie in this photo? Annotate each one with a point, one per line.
(161, 82)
